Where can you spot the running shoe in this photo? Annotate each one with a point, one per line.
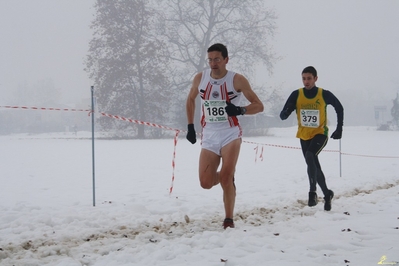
(327, 200)
(228, 222)
(312, 199)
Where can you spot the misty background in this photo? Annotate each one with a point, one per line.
(352, 44)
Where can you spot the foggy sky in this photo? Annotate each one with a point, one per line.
(42, 40)
(352, 43)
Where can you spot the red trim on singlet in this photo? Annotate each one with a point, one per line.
(207, 94)
(203, 123)
(223, 91)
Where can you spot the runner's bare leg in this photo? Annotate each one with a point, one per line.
(229, 154)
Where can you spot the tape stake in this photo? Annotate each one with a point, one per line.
(261, 154)
(173, 161)
(256, 153)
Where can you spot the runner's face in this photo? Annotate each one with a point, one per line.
(308, 80)
(216, 61)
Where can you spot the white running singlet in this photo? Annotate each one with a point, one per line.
(214, 93)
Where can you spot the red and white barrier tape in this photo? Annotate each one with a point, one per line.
(177, 135)
(372, 156)
(45, 108)
(138, 122)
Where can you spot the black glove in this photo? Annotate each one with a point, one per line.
(337, 134)
(284, 114)
(191, 136)
(232, 110)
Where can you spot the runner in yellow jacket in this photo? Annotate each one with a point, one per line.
(310, 103)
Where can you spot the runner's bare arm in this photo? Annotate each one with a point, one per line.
(241, 84)
(190, 103)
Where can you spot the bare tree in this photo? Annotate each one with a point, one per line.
(144, 53)
(191, 26)
(127, 64)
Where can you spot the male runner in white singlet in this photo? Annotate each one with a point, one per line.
(220, 91)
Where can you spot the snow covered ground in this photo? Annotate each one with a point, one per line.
(48, 217)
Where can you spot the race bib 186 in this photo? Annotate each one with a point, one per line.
(310, 118)
(214, 111)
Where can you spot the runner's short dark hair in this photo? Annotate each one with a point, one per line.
(218, 47)
(310, 70)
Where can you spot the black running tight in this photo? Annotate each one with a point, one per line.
(310, 149)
